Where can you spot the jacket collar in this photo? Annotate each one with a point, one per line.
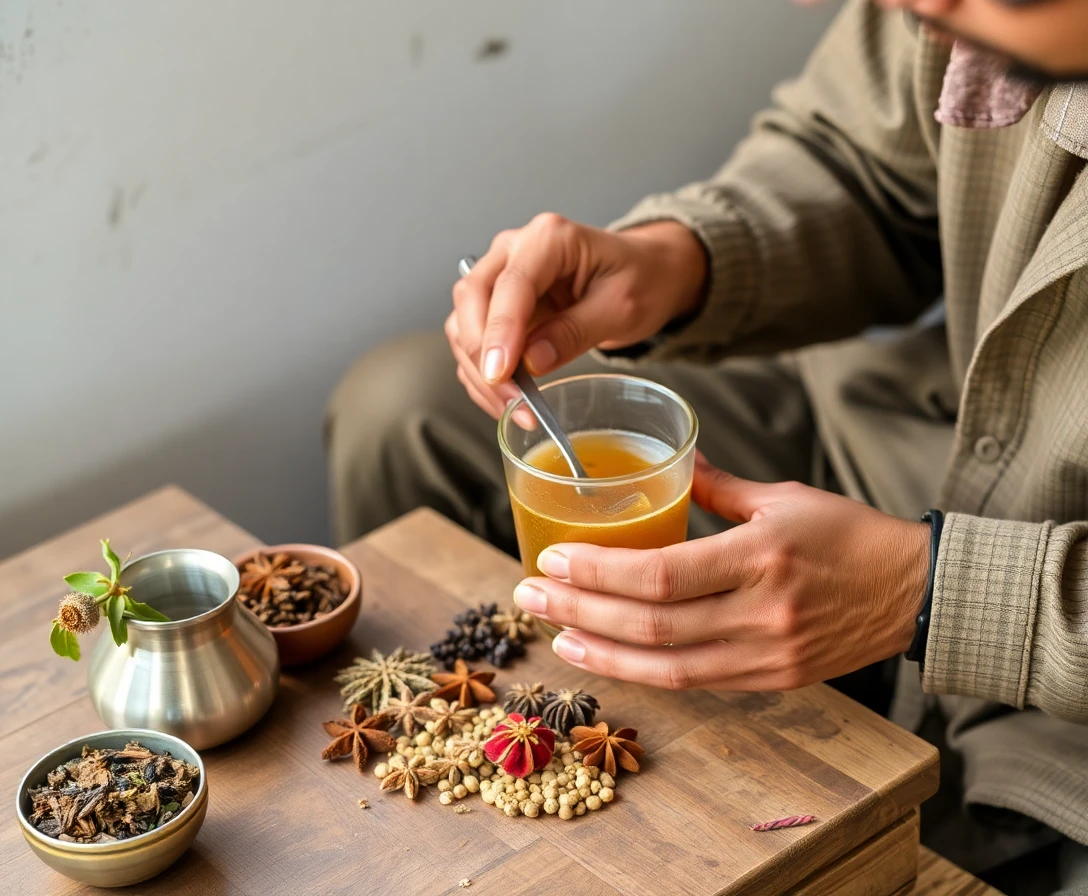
(1065, 119)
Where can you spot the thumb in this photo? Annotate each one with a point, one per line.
(724, 494)
(572, 333)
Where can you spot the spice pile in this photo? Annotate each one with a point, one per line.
(535, 755)
(112, 794)
(485, 633)
(282, 590)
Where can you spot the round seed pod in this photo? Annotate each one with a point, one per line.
(527, 699)
(593, 803)
(566, 709)
(551, 806)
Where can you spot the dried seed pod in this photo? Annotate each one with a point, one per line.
(566, 709)
(526, 699)
(79, 613)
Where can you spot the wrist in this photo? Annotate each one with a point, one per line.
(680, 253)
(913, 570)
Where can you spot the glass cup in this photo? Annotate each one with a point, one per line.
(636, 440)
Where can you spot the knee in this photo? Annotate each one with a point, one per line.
(398, 381)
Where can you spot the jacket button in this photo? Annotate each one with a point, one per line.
(988, 449)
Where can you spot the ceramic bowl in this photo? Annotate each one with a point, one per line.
(312, 640)
(121, 862)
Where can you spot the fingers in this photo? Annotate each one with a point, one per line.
(715, 664)
(678, 572)
(492, 399)
(542, 253)
(573, 332)
(472, 295)
(714, 617)
(726, 495)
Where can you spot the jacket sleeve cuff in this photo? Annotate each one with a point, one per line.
(986, 594)
(731, 278)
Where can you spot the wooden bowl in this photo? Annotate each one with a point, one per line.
(312, 640)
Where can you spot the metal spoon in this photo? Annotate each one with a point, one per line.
(531, 393)
(525, 382)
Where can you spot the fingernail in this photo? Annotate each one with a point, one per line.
(530, 599)
(569, 647)
(493, 363)
(541, 356)
(554, 565)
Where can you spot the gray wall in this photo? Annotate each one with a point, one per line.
(208, 209)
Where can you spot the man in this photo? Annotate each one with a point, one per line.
(906, 164)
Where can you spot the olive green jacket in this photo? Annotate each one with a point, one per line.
(850, 206)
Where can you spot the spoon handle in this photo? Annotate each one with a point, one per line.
(525, 382)
(544, 414)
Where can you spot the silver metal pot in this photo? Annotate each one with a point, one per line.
(207, 675)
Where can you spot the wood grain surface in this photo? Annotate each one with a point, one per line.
(283, 821)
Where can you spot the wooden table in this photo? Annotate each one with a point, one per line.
(283, 821)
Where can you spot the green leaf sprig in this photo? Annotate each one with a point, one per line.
(93, 595)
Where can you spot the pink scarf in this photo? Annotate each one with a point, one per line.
(978, 93)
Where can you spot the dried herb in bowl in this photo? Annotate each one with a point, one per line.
(107, 794)
(283, 590)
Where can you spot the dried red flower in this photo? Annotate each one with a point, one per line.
(520, 746)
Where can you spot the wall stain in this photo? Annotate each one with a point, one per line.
(136, 194)
(117, 208)
(492, 48)
(415, 49)
(38, 155)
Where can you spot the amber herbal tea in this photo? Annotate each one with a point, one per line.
(636, 441)
(547, 512)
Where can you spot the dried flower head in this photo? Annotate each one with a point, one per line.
(408, 712)
(513, 623)
(566, 709)
(520, 745)
(79, 613)
(526, 699)
(410, 778)
(449, 718)
(377, 680)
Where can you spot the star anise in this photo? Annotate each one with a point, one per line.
(467, 686)
(449, 718)
(358, 736)
(515, 624)
(269, 574)
(378, 679)
(410, 777)
(603, 750)
(465, 749)
(408, 712)
(453, 770)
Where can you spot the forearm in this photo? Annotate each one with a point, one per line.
(1009, 622)
(824, 220)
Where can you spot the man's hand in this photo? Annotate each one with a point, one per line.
(555, 289)
(812, 585)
